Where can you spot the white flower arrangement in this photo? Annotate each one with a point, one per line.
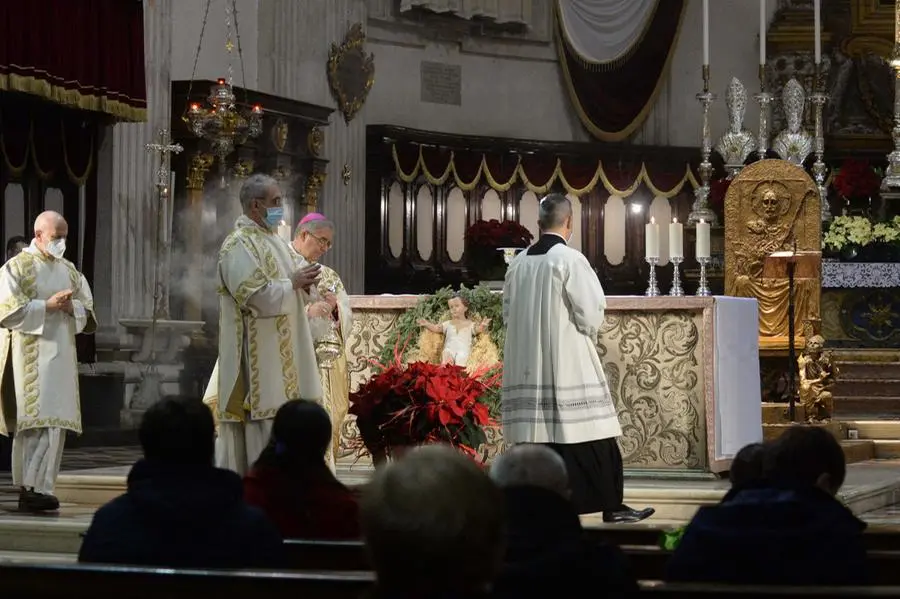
(860, 231)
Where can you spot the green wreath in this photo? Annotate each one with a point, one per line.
(481, 300)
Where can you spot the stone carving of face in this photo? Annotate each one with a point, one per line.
(770, 204)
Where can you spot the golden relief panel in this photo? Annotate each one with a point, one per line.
(654, 364)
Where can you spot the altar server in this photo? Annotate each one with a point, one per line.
(44, 303)
(331, 305)
(266, 352)
(554, 388)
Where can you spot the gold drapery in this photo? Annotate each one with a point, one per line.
(589, 179)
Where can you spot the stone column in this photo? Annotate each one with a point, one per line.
(126, 199)
(292, 63)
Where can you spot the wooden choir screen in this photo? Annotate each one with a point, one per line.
(423, 190)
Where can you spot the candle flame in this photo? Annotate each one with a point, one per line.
(675, 220)
(652, 220)
(702, 221)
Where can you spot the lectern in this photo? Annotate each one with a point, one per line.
(791, 264)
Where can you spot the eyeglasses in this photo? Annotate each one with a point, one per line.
(324, 243)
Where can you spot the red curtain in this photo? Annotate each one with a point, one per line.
(87, 54)
(614, 100)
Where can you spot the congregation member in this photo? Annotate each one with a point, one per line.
(15, 245)
(787, 528)
(292, 483)
(44, 303)
(266, 354)
(554, 389)
(433, 523)
(331, 307)
(179, 511)
(547, 552)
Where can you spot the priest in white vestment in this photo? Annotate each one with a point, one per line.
(266, 352)
(330, 319)
(554, 388)
(44, 303)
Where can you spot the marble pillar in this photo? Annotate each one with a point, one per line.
(292, 64)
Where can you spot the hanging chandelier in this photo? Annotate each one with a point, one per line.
(221, 122)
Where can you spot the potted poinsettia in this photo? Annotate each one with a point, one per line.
(484, 240)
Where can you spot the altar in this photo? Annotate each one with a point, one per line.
(684, 372)
(861, 304)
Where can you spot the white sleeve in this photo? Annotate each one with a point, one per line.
(29, 319)
(274, 299)
(585, 294)
(18, 311)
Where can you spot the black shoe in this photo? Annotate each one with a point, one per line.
(626, 515)
(30, 501)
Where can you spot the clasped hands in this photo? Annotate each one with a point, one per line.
(61, 301)
(304, 278)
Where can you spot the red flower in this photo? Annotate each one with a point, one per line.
(856, 179)
(488, 236)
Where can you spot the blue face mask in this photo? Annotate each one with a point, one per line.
(274, 216)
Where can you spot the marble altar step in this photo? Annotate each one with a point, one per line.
(855, 407)
(777, 413)
(856, 450)
(867, 369)
(843, 356)
(867, 387)
(885, 434)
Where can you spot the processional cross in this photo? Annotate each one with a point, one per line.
(165, 148)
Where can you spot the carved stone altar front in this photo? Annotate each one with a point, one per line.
(658, 358)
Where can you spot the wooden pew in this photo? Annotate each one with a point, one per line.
(83, 581)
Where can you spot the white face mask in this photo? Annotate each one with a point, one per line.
(56, 248)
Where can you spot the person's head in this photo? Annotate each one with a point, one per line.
(301, 432)
(555, 215)
(178, 431)
(15, 245)
(806, 455)
(261, 200)
(458, 307)
(531, 465)
(50, 230)
(314, 236)
(433, 521)
(747, 465)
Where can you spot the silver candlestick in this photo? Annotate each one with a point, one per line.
(892, 173)
(703, 289)
(676, 290)
(818, 168)
(700, 210)
(652, 287)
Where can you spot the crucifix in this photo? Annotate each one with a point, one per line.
(164, 183)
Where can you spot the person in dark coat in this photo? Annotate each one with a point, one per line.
(179, 510)
(547, 553)
(292, 483)
(786, 529)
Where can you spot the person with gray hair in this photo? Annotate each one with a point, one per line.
(266, 354)
(554, 389)
(547, 552)
(331, 317)
(433, 524)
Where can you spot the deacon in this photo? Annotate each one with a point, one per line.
(266, 352)
(44, 303)
(331, 305)
(554, 388)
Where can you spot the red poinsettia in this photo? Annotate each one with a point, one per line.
(717, 190)
(423, 403)
(856, 179)
(489, 235)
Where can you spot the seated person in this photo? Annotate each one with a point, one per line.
(292, 482)
(747, 466)
(434, 525)
(788, 529)
(547, 553)
(179, 510)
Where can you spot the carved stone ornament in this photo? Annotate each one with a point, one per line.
(244, 168)
(737, 143)
(280, 134)
(200, 164)
(314, 141)
(351, 72)
(313, 185)
(793, 144)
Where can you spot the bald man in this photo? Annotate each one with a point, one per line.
(44, 303)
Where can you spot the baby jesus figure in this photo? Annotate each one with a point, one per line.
(458, 332)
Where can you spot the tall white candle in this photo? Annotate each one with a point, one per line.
(676, 239)
(817, 16)
(651, 239)
(762, 31)
(706, 32)
(702, 249)
(284, 231)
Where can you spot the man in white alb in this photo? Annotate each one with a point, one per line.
(554, 388)
(44, 303)
(266, 354)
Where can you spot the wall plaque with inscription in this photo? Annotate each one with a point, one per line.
(441, 83)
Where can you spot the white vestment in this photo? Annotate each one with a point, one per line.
(266, 352)
(44, 360)
(554, 388)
